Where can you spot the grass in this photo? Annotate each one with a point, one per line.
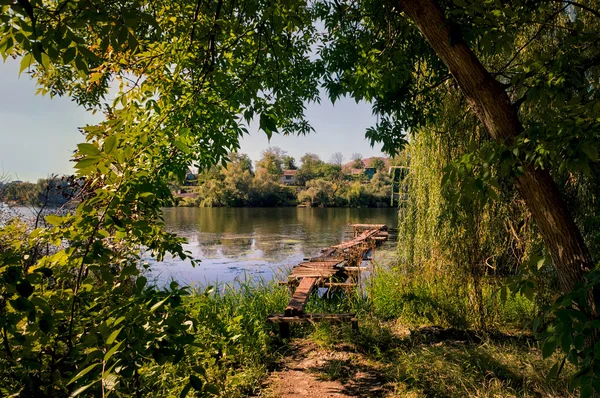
(431, 361)
(417, 340)
(424, 335)
(233, 346)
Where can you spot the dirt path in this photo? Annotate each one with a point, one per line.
(311, 371)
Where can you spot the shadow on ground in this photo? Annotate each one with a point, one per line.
(432, 361)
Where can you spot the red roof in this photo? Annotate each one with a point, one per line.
(289, 172)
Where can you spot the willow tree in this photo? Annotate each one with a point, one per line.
(528, 70)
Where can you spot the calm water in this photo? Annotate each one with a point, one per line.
(241, 242)
(262, 242)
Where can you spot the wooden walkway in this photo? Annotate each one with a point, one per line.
(337, 266)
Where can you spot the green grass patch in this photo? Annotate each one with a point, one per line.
(234, 345)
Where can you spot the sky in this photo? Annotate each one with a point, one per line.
(38, 134)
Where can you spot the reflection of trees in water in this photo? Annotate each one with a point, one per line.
(208, 249)
(236, 246)
(276, 232)
(274, 249)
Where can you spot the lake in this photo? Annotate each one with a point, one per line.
(256, 242)
(253, 242)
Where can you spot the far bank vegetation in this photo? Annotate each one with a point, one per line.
(278, 180)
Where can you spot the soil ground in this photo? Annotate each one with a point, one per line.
(311, 371)
(388, 360)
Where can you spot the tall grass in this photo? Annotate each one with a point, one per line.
(233, 344)
(420, 296)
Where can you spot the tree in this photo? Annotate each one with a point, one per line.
(378, 163)
(357, 161)
(487, 96)
(310, 168)
(337, 158)
(241, 161)
(289, 163)
(184, 73)
(331, 171)
(496, 112)
(238, 180)
(272, 160)
(531, 117)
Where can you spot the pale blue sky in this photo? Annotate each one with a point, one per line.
(38, 134)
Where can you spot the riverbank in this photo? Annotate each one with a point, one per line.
(396, 353)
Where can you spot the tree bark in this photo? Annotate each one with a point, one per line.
(492, 106)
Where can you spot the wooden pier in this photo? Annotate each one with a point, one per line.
(336, 267)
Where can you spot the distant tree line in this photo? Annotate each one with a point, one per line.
(315, 182)
(51, 191)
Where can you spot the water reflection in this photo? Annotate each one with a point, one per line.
(240, 242)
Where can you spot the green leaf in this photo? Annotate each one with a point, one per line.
(553, 372)
(565, 341)
(53, 219)
(181, 146)
(26, 62)
(24, 288)
(109, 144)
(112, 351)
(140, 283)
(69, 55)
(211, 388)
(83, 373)
(45, 323)
(81, 65)
(88, 149)
(113, 336)
(159, 304)
(87, 162)
(549, 347)
(196, 382)
(82, 389)
(267, 124)
(185, 391)
(540, 262)
(590, 150)
(21, 304)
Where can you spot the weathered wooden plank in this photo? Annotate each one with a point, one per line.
(300, 296)
(369, 226)
(320, 263)
(316, 274)
(355, 269)
(323, 260)
(338, 284)
(281, 318)
(358, 240)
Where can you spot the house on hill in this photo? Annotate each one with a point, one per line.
(289, 177)
(370, 167)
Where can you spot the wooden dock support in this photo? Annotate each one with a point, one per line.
(336, 266)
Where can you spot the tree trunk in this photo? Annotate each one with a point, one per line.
(493, 108)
